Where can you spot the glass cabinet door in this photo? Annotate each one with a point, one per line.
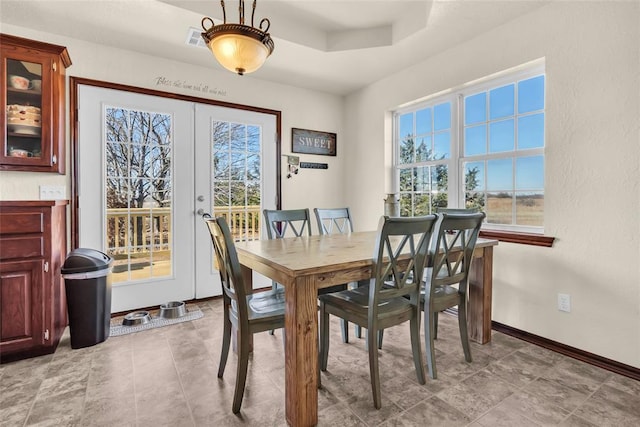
(32, 104)
(24, 113)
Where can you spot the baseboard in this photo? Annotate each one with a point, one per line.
(576, 353)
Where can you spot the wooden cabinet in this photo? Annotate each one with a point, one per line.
(33, 311)
(32, 100)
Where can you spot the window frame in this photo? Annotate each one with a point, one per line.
(456, 177)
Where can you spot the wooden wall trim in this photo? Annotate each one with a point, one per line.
(575, 353)
(521, 238)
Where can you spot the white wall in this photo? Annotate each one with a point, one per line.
(592, 172)
(321, 111)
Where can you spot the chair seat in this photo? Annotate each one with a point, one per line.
(266, 304)
(443, 295)
(356, 302)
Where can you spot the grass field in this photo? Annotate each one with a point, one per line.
(529, 210)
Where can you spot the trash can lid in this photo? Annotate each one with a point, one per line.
(85, 259)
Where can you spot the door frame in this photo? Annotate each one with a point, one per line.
(75, 82)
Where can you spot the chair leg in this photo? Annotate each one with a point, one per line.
(345, 330)
(435, 328)
(226, 342)
(324, 338)
(373, 369)
(241, 373)
(380, 336)
(274, 286)
(357, 285)
(415, 347)
(429, 330)
(464, 335)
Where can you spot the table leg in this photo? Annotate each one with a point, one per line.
(480, 289)
(301, 354)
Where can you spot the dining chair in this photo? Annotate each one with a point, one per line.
(291, 223)
(337, 220)
(392, 296)
(457, 210)
(247, 313)
(435, 237)
(446, 278)
(287, 223)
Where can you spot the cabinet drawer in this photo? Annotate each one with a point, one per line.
(21, 223)
(21, 247)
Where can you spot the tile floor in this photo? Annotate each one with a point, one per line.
(167, 377)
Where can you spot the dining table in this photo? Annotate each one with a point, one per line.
(305, 264)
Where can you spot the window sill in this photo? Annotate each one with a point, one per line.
(521, 238)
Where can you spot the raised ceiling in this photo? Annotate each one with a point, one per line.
(328, 45)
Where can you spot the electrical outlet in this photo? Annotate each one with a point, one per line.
(52, 192)
(564, 302)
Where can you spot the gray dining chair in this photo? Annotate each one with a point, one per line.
(435, 237)
(246, 313)
(392, 296)
(457, 210)
(287, 223)
(446, 279)
(337, 220)
(291, 223)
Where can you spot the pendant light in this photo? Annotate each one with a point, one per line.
(238, 47)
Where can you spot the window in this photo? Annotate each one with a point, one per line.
(480, 147)
(138, 193)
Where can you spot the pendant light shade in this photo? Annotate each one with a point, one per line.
(237, 47)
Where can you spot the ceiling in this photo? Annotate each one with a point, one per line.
(328, 45)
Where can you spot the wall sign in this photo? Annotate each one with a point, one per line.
(310, 165)
(313, 142)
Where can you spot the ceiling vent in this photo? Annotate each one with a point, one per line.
(194, 38)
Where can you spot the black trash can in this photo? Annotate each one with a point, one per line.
(87, 280)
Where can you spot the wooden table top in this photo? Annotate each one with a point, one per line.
(317, 254)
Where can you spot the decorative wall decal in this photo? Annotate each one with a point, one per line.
(183, 84)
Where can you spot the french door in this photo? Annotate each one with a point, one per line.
(235, 178)
(146, 166)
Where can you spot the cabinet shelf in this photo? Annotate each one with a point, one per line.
(24, 92)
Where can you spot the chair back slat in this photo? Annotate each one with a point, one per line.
(331, 221)
(453, 252)
(228, 265)
(399, 258)
(287, 223)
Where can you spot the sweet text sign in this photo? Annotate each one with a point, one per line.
(313, 142)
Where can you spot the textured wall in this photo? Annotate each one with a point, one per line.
(592, 168)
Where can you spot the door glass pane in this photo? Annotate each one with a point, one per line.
(236, 177)
(139, 193)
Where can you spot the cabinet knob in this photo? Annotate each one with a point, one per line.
(54, 159)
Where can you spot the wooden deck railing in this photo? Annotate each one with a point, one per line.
(142, 230)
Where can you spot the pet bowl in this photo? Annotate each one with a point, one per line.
(172, 310)
(136, 318)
